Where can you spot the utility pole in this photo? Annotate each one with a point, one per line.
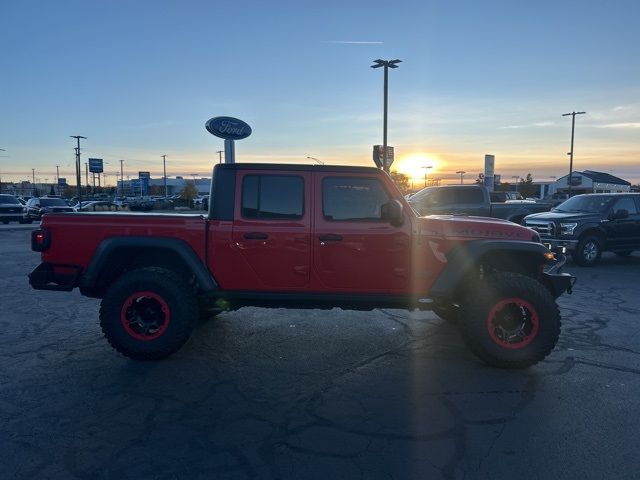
(1, 150)
(121, 179)
(573, 126)
(219, 152)
(164, 169)
(461, 173)
(387, 64)
(78, 167)
(86, 173)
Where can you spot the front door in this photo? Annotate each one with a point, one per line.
(624, 233)
(354, 249)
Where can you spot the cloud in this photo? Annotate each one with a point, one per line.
(627, 125)
(537, 124)
(353, 42)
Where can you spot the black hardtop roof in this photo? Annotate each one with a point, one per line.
(297, 167)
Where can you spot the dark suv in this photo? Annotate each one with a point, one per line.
(36, 207)
(587, 225)
(11, 210)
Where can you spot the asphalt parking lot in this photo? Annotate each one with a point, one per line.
(272, 393)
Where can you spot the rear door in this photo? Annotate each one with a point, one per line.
(271, 228)
(354, 249)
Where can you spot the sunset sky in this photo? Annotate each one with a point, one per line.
(140, 79)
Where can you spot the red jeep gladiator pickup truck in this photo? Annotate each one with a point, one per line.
(305, 236)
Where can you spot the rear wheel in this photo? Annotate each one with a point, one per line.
(588, 251)
(148, 313)
(511, 321)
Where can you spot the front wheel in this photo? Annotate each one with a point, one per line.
(511, 321)
(588, 251)
(148, 313)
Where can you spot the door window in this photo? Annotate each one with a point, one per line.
(627, 204)
(352, 199)
(273, 197)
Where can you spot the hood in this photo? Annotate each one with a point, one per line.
(464, 227)
(563, 216)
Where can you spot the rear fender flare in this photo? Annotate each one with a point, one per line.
(103, 254)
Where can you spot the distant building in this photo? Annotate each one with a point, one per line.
(590, 181)
(174, 186)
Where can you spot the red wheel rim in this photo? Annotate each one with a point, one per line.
(513, 323)
(145, 315)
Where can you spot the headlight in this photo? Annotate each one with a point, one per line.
(567, 228)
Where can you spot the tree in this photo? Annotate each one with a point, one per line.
(189, 192)
(402, 181)
(526, 186)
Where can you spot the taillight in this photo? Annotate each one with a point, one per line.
(40, 240)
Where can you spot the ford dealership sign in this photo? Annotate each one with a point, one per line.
(228, 128)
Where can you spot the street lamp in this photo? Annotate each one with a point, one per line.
(573, 126)
(387, 64)
(316, 160)
(461, 173)
(426, 170)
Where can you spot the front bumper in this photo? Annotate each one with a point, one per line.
(558, 243)
(50, 276)
(557, 282)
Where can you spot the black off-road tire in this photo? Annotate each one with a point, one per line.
(170, 301)
(510, 298)
(588, 251)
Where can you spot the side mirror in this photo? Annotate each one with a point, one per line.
(392, 211)
(620, 214)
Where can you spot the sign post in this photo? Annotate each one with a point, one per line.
(379, 158)
(489, 171)
(231, 129)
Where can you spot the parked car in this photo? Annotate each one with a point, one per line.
(556, 199)
(587, 225)
(38, 206)
(502, 196)
(470, 200)
(11, 210)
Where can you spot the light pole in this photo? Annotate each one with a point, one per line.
(573, 126)
(316, 160)
(461, 173)
(426, 170)
(387, 64)
(121, 179)
(164, 169)
(220, 152)
(517, 177)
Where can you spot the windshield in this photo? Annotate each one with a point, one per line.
(53, 202)
(9, 199)
(586, 204)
